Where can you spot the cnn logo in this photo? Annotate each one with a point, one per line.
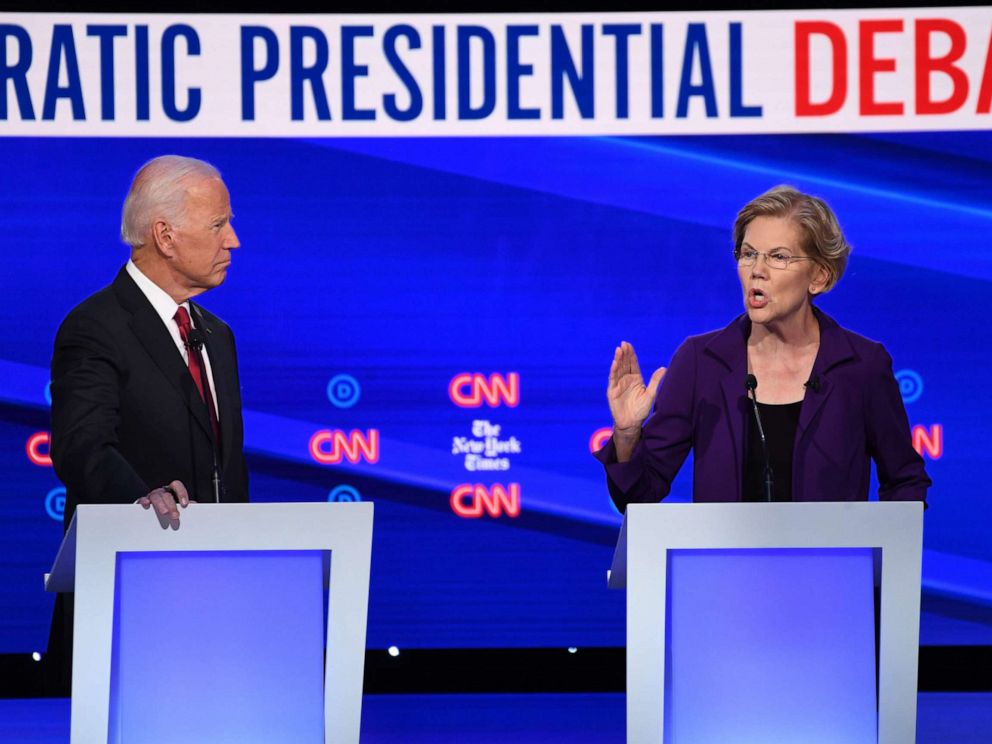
(331, 447)
(929, 441)
(472, 389)
(599, 438)
(473, 501)
(37, 449)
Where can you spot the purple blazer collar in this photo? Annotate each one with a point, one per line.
(729, 348)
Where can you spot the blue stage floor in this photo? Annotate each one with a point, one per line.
(944, 718)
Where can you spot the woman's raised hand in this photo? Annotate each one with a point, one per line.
(630, 400)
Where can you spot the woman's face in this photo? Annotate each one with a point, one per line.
(776, 294)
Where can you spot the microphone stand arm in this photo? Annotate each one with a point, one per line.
(196, 343)
(213, 441)
(769, 479)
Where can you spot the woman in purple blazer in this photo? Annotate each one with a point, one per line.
(827, 400)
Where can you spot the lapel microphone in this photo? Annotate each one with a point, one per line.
(195, 339)
(813, 383)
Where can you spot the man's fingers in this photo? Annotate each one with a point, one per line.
(171, 513)
(655, 381)
(165, 503)
(179, 491)
(167, 520)
(163, 500)
(171, 508)
(165, 507)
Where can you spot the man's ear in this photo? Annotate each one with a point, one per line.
(164, 237)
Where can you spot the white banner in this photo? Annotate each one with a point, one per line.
(523, 74)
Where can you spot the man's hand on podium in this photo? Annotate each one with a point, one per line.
(167, 501)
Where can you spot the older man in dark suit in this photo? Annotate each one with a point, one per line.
(131, 417)
(146, 404)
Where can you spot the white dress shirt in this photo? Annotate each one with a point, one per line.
(166, 308)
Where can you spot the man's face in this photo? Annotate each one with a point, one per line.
(203, 242)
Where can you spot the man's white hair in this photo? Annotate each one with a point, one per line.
(158, 191)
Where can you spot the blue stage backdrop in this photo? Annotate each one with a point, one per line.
(428, 323)
(448, 224)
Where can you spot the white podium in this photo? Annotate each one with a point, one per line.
(754, 622)
(216, 631)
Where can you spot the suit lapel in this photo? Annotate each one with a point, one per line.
(222, 366)
(730, 348)
(157, 342)
(834, 349)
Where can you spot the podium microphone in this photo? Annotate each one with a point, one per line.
(751, 384)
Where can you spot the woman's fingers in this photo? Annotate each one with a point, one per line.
(655, 381)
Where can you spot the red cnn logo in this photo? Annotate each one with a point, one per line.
(470, 389)
(352, 447)
(599, 438)
(34, 449)
(471, 501)
(929, 440)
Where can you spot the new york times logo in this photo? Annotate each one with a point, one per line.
(485, 450)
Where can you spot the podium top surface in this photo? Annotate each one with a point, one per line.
(206, 527)
(820, 524)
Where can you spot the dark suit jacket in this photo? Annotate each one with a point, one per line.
(126, 416)
(855, 416)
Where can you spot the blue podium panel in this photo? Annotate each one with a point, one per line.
(770, 645)
(218, 647)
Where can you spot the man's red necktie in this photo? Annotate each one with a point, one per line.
(196, 368)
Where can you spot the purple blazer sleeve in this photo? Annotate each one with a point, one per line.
(901, 476)
(665, 438)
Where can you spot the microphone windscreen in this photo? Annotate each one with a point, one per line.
(195, 339)
(751, 382)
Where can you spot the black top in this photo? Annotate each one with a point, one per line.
(780, 423)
